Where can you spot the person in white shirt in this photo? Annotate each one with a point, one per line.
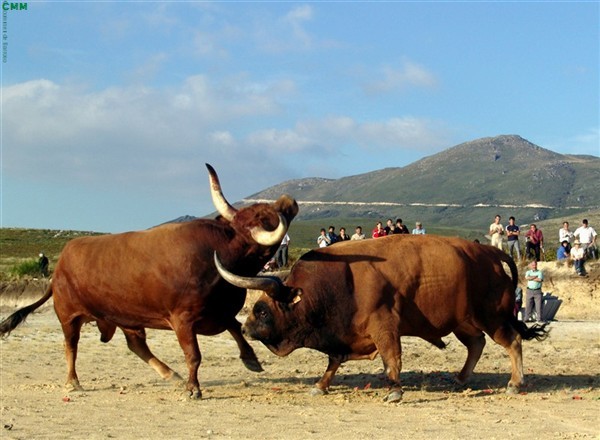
(565, 234)
(358, 235)
(587, 237)
(496, 233)
(578, 257)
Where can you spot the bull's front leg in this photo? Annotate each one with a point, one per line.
(189, 344)
(247, 354)
(389, 346)
(322, 385)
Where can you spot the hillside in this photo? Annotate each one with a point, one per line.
(466, 184)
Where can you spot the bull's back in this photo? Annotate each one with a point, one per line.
(426, 280)
(126, 277)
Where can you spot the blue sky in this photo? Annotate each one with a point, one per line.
(111, 109)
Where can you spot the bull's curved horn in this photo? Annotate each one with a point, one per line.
(269, 238)
(270, 285)
(223, 206)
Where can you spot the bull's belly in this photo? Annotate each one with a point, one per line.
(206, 319)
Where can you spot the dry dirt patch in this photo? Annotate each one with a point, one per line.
(125, 399)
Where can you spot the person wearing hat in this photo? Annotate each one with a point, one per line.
(578, 257)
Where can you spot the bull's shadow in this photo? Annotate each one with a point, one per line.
(441, 381)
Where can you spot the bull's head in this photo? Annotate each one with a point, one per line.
(285, 207)
(272, 320)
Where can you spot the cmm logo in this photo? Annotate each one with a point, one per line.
(6, 6)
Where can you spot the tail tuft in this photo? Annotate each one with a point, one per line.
(536, 331)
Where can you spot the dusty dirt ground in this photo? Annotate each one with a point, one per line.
(125, 399)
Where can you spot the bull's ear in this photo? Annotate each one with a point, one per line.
(297, 296)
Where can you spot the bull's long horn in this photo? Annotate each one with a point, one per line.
(270, 285)
(269, 238)
(223, 206)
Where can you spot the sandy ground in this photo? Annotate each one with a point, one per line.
(125, 399)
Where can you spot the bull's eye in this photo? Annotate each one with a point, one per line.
(261, 311)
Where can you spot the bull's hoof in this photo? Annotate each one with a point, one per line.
(394, 396)
(317, 392)
(73, 386)
(195, 395)
(252, 364)
(512, 389)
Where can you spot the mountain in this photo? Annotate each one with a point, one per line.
(467, 184)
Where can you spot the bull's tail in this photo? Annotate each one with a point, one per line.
(10, 323)
(514, 272)
(536, 331)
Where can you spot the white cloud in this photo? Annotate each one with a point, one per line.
(410, 74)
(77, 135)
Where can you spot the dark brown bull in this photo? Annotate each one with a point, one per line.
(356, 299)
(164, 278)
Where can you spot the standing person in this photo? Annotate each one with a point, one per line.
(323, 239)
(378, 231)
(419, 229)
(343, 236)
(400, 228)
(587, 237)
(389, 227)
(512, 238)
(358, 234)
(578, 257)
(331, 234)
(535, 242)
(496, 232)
(534, 279)
(281, 256)
(43, 264)
(564, 234)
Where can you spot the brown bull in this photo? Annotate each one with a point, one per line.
(356, 299)
(164, 278)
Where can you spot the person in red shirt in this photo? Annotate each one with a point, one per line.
(535, 242)
(379, 231)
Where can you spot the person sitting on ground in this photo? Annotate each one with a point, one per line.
(419, 230)
(358, 234)
(578, 257)
(378, 231)
(562, 253)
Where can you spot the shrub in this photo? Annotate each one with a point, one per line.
(28, 267)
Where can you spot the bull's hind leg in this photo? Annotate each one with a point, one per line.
(72, 330)
(247, 354)
(136, 341)
(510, 339)
(474, 340)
